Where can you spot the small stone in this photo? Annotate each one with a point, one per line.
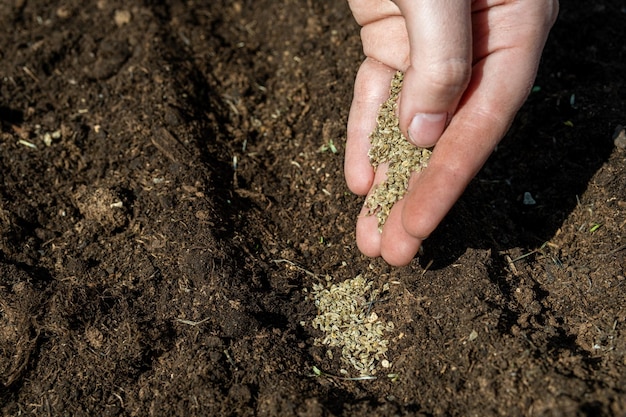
(47, 139)
(528, 199)
(473, 335)
(619, 137)
(63, 12)
(122, 17)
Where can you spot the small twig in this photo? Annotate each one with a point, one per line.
(539, 250)
(30, 74)
(428, 265)
(614, 251)
(318, 373)
(119, 397)
(511, 265)
(230, 360)
(358, 378)
(370, 304)
(27, 143)
(526, 255)
(278, 261)
(192, 323)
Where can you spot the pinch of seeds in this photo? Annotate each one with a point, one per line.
(345, 316)
(389, 145)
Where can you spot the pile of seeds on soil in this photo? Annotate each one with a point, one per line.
(345, 315)
(389, 145)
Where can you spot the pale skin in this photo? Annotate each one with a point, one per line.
(469, 66)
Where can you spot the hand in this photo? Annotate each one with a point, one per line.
(469, 66)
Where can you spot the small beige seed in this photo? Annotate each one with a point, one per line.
(388, 145)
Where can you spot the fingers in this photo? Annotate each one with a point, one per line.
(370, 241)
(368, 11)
(527, 35)
(371, 89)
(458, 156)
(398, 247)
(387, 40)
(505, 67)
(440, 36)
(368, 238)
(494, 96)
(431, 41)
(499, 86)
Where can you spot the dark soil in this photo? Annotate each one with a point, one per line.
(160, 162)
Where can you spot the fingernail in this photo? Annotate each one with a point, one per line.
(426, 128)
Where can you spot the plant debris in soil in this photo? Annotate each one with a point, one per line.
(389, 146)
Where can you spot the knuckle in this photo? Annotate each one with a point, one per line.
(418, 228)
(450, 75)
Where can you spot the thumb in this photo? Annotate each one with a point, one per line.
(440, 37)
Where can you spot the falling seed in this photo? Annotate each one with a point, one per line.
(619, 137)
(389, 146)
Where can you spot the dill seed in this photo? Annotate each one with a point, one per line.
(388, 145)
(343, 314)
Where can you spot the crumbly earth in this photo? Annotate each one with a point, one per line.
(389, 146)
(157, 158)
